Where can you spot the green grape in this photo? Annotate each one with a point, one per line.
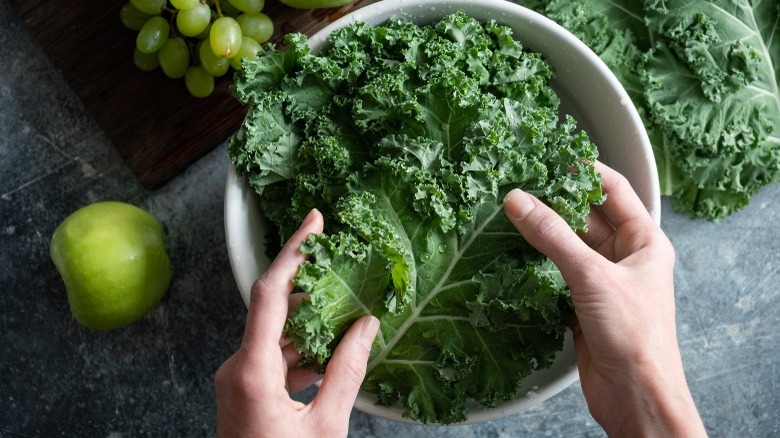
(193, 21)
(151, 7)
(198, 81)
(132, 18)
(225, 37)
(249, 49)
(184, 5)
(213, 64)
(228, 9)
(153, 34)
(145, 61)
(248, 6)
(204, 35)
(258, 26)
(174, 57)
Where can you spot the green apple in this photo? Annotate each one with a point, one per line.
(311, 4)
(112, 259)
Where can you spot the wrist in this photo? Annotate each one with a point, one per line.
(656, 401)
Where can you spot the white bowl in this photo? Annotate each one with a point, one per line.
(588, 91)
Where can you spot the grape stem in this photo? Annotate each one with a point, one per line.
(172, 24)
(219, 9)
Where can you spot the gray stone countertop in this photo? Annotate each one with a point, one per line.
(155, 377)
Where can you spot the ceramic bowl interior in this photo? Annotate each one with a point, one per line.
(588, 91)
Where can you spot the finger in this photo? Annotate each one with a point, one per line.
(346, 369)
(292, 303)
(599, 229)
(547, 232)
(270, 293)
(299, 379)
(291, 355)
(295, 300)
(622, 203)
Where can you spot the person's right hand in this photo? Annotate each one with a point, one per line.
(620, 273)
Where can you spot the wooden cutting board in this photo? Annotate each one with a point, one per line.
(156, 126)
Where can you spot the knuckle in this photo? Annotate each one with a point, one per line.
(354, 371)
(616, 181)
(665, 249)
(260, 287)
(224, 375)
(260, 284)
(590, 271)
(656, 239)
(235, 377)
(221, 377)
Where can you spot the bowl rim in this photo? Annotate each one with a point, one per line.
(238, 192)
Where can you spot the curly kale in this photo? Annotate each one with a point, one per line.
(705, 76)
(407, 138)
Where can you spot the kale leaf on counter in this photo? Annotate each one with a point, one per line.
(705, 76)
(407, 138)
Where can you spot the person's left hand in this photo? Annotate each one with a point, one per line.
(254, 385)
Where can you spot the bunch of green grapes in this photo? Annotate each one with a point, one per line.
(199, 40)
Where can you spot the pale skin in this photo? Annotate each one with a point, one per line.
(621, 281)
(620, 276)
(254, 385)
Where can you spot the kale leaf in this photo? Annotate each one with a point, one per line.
(407, 138)
(705, 76)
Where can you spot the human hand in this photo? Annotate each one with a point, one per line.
(620, 273)
(254, 385)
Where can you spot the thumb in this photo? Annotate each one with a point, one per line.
(546, 231)
(347, 368)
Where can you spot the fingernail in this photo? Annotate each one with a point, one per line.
(309, 217)
(518, 204)
(368, 331)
